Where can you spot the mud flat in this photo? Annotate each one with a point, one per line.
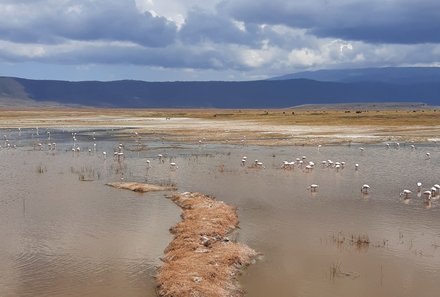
(201, 260)
(140, 187)
(258, 127)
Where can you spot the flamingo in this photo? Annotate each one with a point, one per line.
(120, 155)
(419, 186)
(427, 195)
(406, 194)
(356, 166)
(433, 191)
(258, 164)
(365, 188)
(173, 165)
(437, 189)
(313, 187)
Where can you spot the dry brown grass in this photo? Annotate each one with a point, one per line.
(201, 260)
(140, 187)
(428, 117)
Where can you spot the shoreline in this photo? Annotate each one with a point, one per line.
(276, 128)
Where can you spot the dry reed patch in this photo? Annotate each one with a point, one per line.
(201, 260)
(140, 187)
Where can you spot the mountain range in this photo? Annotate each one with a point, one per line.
(370, 85)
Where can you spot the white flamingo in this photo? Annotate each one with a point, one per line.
(365, 188)
(437, 189)
(419, 186)
(313, 188)
(427, 195)
(406, 194)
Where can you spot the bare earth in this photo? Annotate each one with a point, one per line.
(271, 127)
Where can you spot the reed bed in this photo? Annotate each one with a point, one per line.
(202, 260)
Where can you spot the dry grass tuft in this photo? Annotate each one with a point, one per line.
(201, 260)
(139, 187)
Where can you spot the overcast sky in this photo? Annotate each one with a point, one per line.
(162, 40)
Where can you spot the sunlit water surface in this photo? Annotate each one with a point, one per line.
(64, 233)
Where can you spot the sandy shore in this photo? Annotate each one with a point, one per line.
(309, 128)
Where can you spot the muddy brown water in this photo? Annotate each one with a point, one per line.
(60, 236)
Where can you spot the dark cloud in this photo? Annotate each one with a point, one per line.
(258, 36)
(374, 21)
(54, 22)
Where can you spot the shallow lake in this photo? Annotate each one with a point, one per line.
(64, 233)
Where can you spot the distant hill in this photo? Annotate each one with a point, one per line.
(396, 75)
(212, 94)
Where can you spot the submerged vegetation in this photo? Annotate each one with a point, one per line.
(41, 169)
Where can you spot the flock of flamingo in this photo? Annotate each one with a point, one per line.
(301, 163)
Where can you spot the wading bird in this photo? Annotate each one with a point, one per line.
(406, 194)
(365, 188)
(313, 188)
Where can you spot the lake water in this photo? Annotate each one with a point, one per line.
(62, 236)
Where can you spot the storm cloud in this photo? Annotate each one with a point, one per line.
(255, 38)
(378, 21)
(56, 21)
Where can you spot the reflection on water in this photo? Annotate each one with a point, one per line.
(62, 236)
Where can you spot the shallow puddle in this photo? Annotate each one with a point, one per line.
(64, 233)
